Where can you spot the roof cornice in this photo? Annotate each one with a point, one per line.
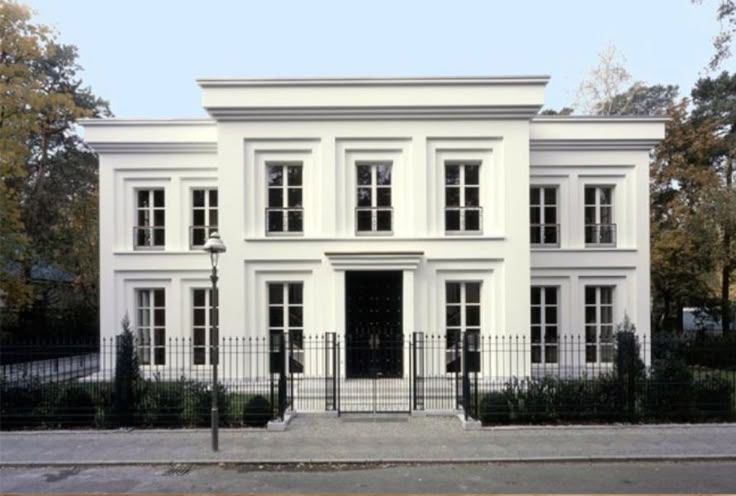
(373, 81)
(151, 147)
(374, 113)
(144, 122)
(592, 144)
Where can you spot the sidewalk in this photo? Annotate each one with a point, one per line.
(369, 440)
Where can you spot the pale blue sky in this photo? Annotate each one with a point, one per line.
(144, 55)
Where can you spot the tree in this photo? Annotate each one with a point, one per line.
(641, 99)
(726, 16)
(606, 80)
(714, 101)
(562, 111)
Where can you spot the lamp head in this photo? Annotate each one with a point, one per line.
(214, 246)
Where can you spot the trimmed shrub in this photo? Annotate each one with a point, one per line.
(126, 393)
(669, 393)
(74, 407)
(714, 398)
(20, 406)
(495, 408)
(257, 411)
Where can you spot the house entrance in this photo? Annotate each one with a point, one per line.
(374, 344)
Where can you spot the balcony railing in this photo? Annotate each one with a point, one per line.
(600, 234)
(149, 237)
(463, 220)
(545, 235)
(285, 220)
(198, 235)
(374, 220)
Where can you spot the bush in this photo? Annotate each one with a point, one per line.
(714, 398)
(495, 408)
(126, 392)
(669, 391)
(20, 406)
(162, 403)
(74, 407)
(257, 412)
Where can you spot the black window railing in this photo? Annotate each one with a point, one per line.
(463, 220)
(600, 234)
(149, 237)
(198, 235)
(285, 220)
(374, 220)
(545, 234)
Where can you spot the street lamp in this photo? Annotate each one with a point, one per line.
(214, 246)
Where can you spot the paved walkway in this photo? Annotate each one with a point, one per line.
(367, 439)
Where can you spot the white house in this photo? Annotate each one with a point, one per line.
(376, 208)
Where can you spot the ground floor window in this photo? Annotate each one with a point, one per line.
(545, 324)
(286, 322)
(151, 326)
(462, 315)
(201, 325)
(598, 324)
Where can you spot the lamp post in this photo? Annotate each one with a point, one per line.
(214, 246)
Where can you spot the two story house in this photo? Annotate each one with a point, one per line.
(374, 209)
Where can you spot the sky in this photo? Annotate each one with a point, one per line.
(143, 56)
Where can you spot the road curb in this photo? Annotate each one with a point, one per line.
(380, 461)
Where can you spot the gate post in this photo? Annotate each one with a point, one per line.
(418, 371)
(330, 371)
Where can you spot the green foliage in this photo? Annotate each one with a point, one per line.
(126, 393)
(74, 407)
(669, 393)
(714, 398)
(495, 408)
(257, 412)
(181, 403)
(21, 406)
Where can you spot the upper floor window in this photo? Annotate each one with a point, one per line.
(149, 231)
(598, 324)
(599, 226)
(373, 212)
(204, 216)
(151, 326)
(544, 229)
(201, 325)
(545, 321)
(285, 212)
(462, 316)
(462, 198)
(286, 320)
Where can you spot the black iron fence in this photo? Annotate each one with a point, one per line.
(496, 379)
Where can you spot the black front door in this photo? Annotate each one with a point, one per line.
(373, 333)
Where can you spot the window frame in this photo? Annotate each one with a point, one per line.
(543, 345)
(207, 208)
(597, 206)
(284, 208)
(150, 345)
(374, 208)
(599, 345)
(454, 333)
(462, 206)
(206, 328)
(149, 225)
(295, 333)
(542, 206)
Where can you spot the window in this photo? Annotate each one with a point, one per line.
(201, 326)
(286, 318)
(545, 322)
(149, 231)
(284, 213)
(543, 216)
(462, 315)
(462, 198)
(204, 216)
(373, 211)
(598, 324)
(599, 226)
(151, 326)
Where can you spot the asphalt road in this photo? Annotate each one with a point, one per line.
(645, 477)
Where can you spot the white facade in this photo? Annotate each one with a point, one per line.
(328, 128)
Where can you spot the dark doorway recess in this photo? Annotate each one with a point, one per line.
(373, 331)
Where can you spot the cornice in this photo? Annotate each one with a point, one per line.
(145, 122)
(160, 147)
(373, 81)
(592, 144)
(373, 113)
(394, 260)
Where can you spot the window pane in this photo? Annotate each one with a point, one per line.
(472, 292)
(536, 315)
(275, 294)
(550, 334)
(159, 356)
(295, 221)
(275, 175)
(213, 218)
(143, 198)
(606, 314)
(275, 221)
(550, 354)
(452, 197)
(295, 175)
(159, 297)
(550, 296)
(590, 215)
(295, 293)
(536, 295)
(158, 237)
(472, 220)
(550, 215)
(199, 317)
(452, 315)
(590, 315)
(275, 197)
(471, 174)
(452, 220)
(199, 354)
(606, 215)
(453, 292)
(364, 197)
(295, 317)
(535, 215)
(198, 218)
(158, 217)
(159, 317)
(383, 220)
(158, 198)
(606, 295)
(364, 220)
(452, 174)
(472, 316)
(550, 196)
(536, 354)
(472, 197)
(383, 174)
(536, 334)
(535, 235)
(590, 295)
(550, 233)
(295, 197)
(198, 197)
(606, 196)
(364, 175)
(213, 197)
(534, 195)
(550, 314)
(590, 196)
(276, 316)
(383, 197)
(590, 334)
(199, 297)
